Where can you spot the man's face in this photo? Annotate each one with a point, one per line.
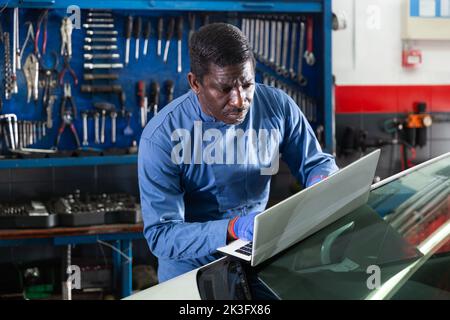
(226, 93)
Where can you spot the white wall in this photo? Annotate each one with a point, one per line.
(369, 50)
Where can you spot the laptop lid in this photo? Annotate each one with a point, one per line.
(313, 208)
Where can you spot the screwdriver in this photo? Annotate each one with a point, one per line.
(155, 89)
(128, 27)
(169, 35)
(147, 32)
(143, 102)
(123, 100)
(160, 31)
(191, 25)
(169, 90)
(180, 38)
(137, 34)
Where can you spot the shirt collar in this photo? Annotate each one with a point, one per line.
(203, 116)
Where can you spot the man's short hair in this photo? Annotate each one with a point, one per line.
(221, 44)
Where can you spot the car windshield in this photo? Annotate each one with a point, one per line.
(396, 246)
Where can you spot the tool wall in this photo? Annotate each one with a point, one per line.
(75, 69)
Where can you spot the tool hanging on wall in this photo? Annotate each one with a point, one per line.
(50, 82)
(137, 34)
(15, 52)
(146, 35)
(169, 34)
(154, 97)
(169, 90)
(159, 32)
(300, 77)
(104, 108)
(309, 54)
(8, 73)
(31, 71)
(41, 23)
(66, 37)
(192, 18)
(143, 102)
(179, 42)
(68, 115)
(128, 28)
(66, 68)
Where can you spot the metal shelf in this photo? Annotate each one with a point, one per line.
(67, 162)
(313, 6)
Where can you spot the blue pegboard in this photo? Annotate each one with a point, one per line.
(148, 68)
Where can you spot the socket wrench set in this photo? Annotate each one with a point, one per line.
(72, 210)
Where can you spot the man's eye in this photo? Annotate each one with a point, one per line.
(247, 85)
(226, 89)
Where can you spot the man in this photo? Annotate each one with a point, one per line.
(203, 160)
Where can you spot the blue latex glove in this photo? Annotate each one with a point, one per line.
(243, 226)
(314, 179)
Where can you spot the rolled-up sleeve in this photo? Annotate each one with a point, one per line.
(301, 150)
(163, 210)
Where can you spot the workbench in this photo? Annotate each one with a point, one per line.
(120, 236)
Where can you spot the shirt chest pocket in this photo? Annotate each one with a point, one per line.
(239, 186)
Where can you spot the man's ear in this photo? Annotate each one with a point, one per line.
(193, 82)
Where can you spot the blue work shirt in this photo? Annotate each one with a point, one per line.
(196, 173)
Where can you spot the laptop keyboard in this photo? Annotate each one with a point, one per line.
(245, 250)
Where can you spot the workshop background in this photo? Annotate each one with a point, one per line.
(380, 79)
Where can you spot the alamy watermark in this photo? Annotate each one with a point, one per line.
(75, 16)
(374, 280)
(235, 147)
(73, 277)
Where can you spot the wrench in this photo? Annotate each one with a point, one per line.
(99, 14)
(256, 38)
(49, 110)
(273, 27)
(88, 56)
(266, 40)
(113, 126)
(252, 33)
(293, 47)
(85, 128)
(100, 20)
(285, 48)
(102, 133)
(244, 27)
(102, 26)
(279, 43)
(90, 48)
(103, 65)
(261, 38)
(301, 79)
(90, 40)
(97, 125)
(101, 32)
(309, 55)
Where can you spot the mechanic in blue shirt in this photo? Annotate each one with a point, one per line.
(206, 160)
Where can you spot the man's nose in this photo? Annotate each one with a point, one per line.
(237, 97)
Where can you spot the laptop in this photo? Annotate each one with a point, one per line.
(306, 212)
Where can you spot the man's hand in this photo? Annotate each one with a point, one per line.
(242, 227)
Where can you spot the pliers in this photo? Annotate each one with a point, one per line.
(42, 18)
(66, 37)
(68, 115)
(64, 69)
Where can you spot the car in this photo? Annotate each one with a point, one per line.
(395, 246)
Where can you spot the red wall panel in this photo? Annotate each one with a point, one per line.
(391, 99)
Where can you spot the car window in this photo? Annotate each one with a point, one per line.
(384, 249)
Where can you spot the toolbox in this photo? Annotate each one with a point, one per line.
(26, 215)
